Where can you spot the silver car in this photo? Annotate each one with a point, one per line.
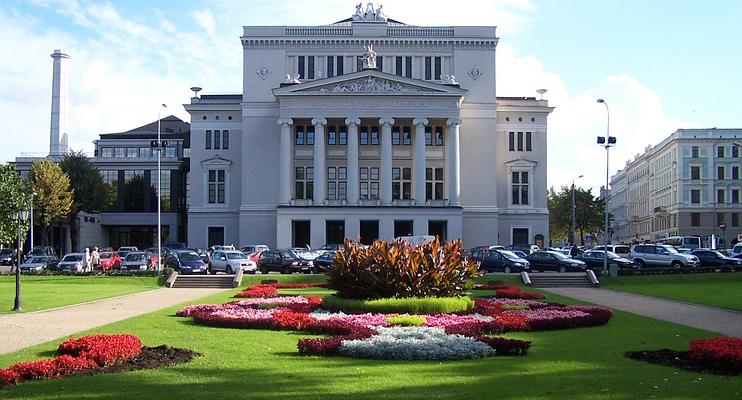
(661, 255)
(230, 261)
(37, 264)
(136, 261)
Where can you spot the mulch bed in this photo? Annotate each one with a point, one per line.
(151, 357)
(678, 359)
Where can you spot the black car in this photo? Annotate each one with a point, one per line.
(503, 260)
(554, 261)
(324, 261)
(41, 251)
(714, 258)
(594, 259)
(186, 262)
(7, 257)
(478, 252)
(285, 262)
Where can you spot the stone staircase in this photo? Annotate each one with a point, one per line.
(567, 279)
(177, 281)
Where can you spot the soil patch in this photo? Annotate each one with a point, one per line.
(679, 359)
(151, 357)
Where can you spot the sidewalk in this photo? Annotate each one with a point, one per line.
(712, 319)
(22, 330)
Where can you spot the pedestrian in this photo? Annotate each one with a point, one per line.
(95, 259)
(86, 260)
(574, 251)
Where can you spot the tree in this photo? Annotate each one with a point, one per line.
(588, 213)
(12, 198)
(54, 196)
(90, 192)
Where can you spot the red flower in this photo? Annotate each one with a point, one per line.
(291, 320)
(719, 352)
(8, 377)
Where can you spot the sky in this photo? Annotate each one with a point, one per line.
(660, 65)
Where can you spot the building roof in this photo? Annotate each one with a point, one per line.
(170, 126)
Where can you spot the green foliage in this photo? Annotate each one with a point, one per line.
(422, 305)
(589, 213)
(12, 198)
(406, 320)
(54, 196)
(90, 192)
(399, 269)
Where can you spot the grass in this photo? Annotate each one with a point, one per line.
(712, 289)
(44, 292)
(585, 363)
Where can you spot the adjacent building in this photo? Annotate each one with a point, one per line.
(367, 129)
(688, 184)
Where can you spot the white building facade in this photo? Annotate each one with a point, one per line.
(687, 185)
(367, 129)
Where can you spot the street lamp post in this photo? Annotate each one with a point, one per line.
(19, 217)
(606, 142)
(574, 212)
(159, 146)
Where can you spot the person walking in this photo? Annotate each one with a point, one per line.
(95, 259)
(86, 260)
(574, 251)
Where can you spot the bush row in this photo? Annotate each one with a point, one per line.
(720, 352)
(675, 271)
(426, 305)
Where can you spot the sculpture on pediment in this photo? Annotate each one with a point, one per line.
(369, 58)
(369, 85)
(449, 80)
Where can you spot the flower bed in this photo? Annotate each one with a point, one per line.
(720, 355)
(510, 291)
(88, 354)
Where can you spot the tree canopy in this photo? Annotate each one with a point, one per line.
(90, 192)
(54, 195)
(12, 198)
(589, 213)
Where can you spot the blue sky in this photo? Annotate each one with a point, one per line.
(660, 65)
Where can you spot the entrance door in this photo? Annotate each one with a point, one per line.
(216, 236)
(369, 231)
(334, 231)
(520, 236)
(438, 228)
(300, 236)
(402, 228)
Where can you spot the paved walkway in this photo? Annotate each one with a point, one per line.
(22, 330)
(708, 318)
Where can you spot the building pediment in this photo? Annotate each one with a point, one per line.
(216, 161)
(521, 163)
(369, 82)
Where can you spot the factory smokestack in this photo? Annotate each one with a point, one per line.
(59, 105)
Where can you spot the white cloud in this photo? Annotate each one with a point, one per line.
(206, 20)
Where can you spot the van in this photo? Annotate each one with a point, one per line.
(622, 250)
(416, 240)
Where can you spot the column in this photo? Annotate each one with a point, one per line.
(353, 184)
(319, 160)
(454, 167)
(418, 172)
(386, 160)
(285, 158)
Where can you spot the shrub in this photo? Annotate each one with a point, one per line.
(506, 347)
(720, 352)
(398, 269)
(429, 305)
(514, 292)
(406, 320)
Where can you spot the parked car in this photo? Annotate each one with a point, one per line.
(284, 261)
(71, 262)
(136, 261)
(331, 247)
(41, 251)
(594, 259)
(713, 258)
(324, 261)
(110, 260)
(622, 250)
(736, 250)
(307, 254)
(152, 254)
(526, 248)
(252, 248)
(476, 253)
(661, 255)
(416, 240)
(553, 261)
(124, 250)
(230, 261)
(39, 264)
(520, 254)
(203, 254)
(7, 256)
(186, 262)
(503, 260)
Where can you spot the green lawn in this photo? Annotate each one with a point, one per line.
(585, 363)
(713, 289)
(43, 292)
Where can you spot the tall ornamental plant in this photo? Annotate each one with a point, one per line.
(399, 269)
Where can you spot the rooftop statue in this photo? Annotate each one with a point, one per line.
(370, 15)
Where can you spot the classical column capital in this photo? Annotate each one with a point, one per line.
(453, 121)
(420, 121)
(319, 121)
(285, 121)
(386, 121)
(352, 121)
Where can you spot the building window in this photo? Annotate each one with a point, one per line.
(433, 68)
(695, 173)
(132, 152)
(145, 152)
(511, 141)
(106, 152)
(439, 136)
(403, 66)
(300, 66)
(735, 220)
(720, 151)
(428, 136)
(720, 196)
(398, 66)
(735, 151)
(334, 66)
(406, 136)
(401, 183)
(428, 68)
(310, 135)
(735, 172)
(216, 186)
(299, 135)
(380, 63)
(225, 140)
(164, 188)
(437, 68)
(520, 187)
(695, 196)
(363, 135)
(433, 183)
(331, 135)
(337, 184)
(374, 135)
(720, 172)
(528, 141)
(694, 152)
(408, 67)
(304, 183)
(369, 182)
(735, 196)
(208, 140)
(217, 140)
(695, 219)
(171, 151)
(119, 152)
(396, 135)
(304, 134)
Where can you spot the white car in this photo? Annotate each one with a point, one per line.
(229, 261)
(71, 262)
